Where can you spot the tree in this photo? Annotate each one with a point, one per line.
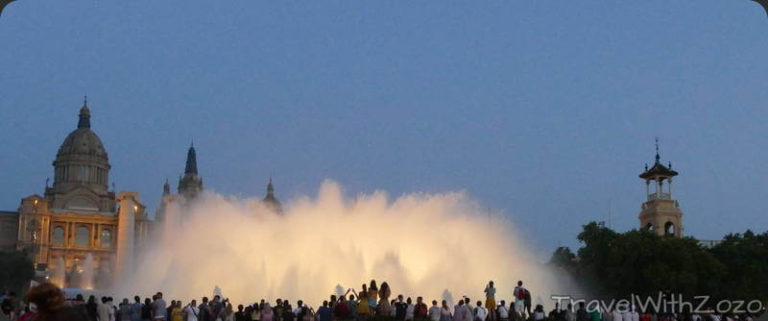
(16, 270)
(641, 262)
(564, 259)
(745, 258)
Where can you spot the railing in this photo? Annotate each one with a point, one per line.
(659, 196)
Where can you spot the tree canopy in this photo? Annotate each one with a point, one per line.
(640, 262)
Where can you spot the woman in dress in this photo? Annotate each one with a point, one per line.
(363, 308)
(490, 301)
(384, 308)
(373, 296)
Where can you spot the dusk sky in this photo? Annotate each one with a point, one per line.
(545, 110)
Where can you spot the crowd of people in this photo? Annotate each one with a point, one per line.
(46, 302)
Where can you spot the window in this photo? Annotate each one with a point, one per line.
(106, 238)
(669, 228)
(82, 236)
(58, 235)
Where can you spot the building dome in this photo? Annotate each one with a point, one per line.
(82, 158)
(82, 142)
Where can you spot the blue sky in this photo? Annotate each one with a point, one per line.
(546, 110)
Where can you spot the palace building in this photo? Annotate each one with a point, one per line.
(79, 223)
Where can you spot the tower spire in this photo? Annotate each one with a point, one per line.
(85, 115)
(657, 150)
(191, 166)
(270, 200)
(166, 188)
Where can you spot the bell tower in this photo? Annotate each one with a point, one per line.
(660, 212)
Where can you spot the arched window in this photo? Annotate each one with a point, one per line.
(57, 238)
(82, 236)
(669, 228)
(106, 238)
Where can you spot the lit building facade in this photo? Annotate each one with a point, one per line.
(79, 218)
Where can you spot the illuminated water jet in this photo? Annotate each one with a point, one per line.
(86, 274)
(59, 272)
(431, 245)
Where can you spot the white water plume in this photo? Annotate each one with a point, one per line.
(430, 245)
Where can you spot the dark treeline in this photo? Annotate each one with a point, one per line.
(639, 262)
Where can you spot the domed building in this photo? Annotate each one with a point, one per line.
(79, 225)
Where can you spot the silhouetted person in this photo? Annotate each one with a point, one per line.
(324, 312)
(401, 308)
(240, 314)
(205, 311)
(581, 313)
(51, 305)
(146, 310)
(91, 308)
(136, 309)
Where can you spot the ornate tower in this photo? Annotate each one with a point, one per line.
(191, 184)
(271, 201)
(660, 212)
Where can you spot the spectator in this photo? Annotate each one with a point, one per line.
(445, 312)
(192, 312)
(146, 310)
(502, 311)
(434, 311)
(136, 309)
(480, 312)
(490, 300)
(159, 312)
(323, 313)
(50, 304)
(92, 308)
(401, 308)
(409, 309)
